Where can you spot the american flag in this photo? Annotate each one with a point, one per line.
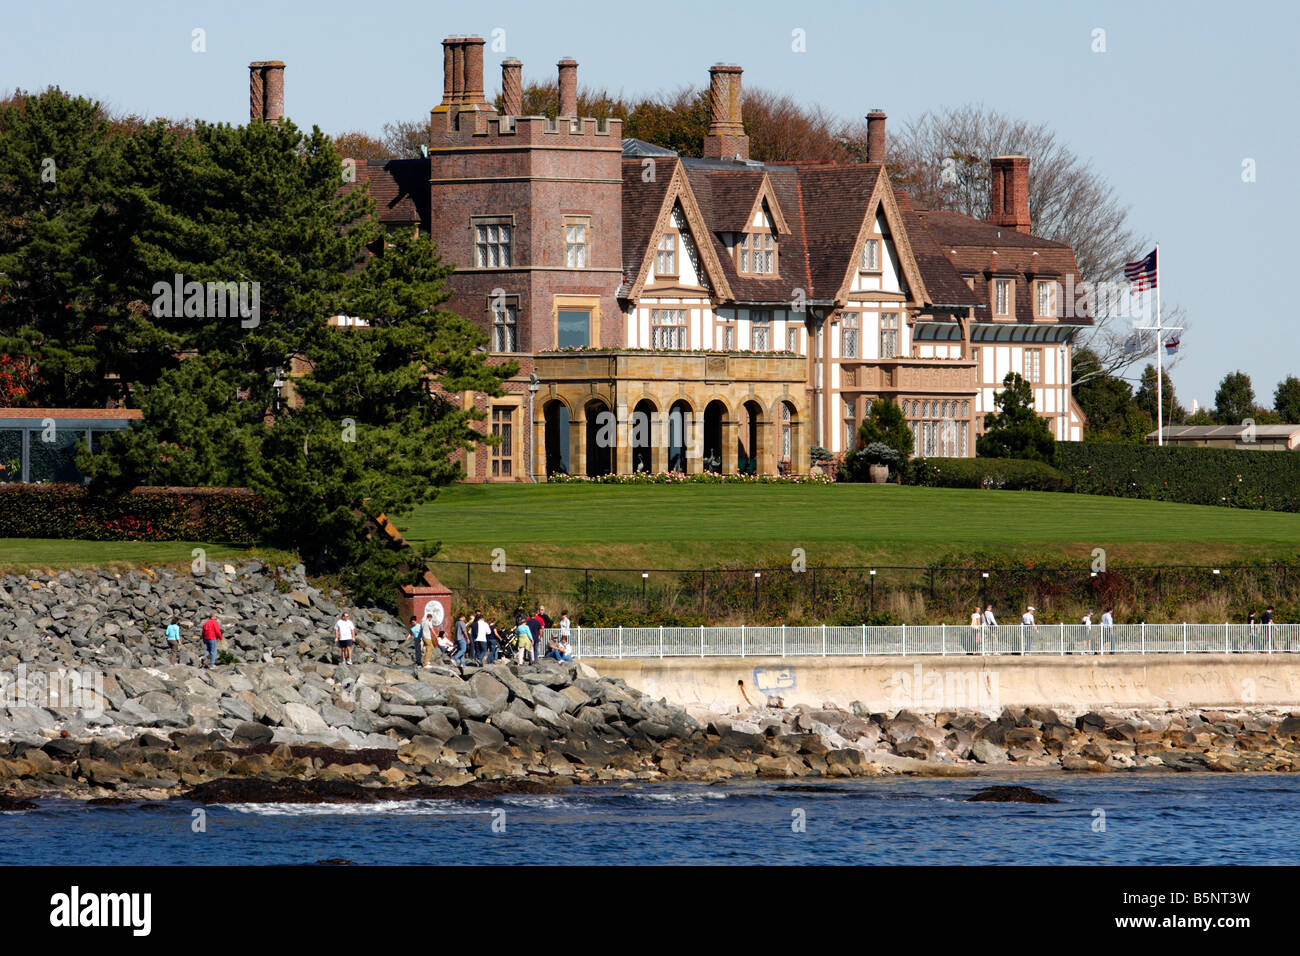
(1142, 273)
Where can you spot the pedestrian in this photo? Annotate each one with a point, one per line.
(566, 629)
(1027, 628)
(414, 628)
(174, 639)
(462, 640)
(1252, 627)
(481, 631)
(211, 634)
(976, 625)
(428, 627)
(990, 626)
(345, 632)
(523, 641)
(1267, 620)
(1107, 622)
(493, 641)
(536, 625)
(445, 643)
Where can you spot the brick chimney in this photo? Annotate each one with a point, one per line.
(876, 136)
(512, 87)
(462, 78)
(1009, 195)
(568, 77)
(726, 136)
(266, 90)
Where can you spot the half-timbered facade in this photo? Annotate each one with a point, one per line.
(674, 313)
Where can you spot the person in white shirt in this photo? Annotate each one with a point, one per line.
(345, 632)
(481, 632)
(1107, 622)
(989, 619)
(1027, 630)
(976, 637)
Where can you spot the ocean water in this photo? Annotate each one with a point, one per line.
(1135, 818)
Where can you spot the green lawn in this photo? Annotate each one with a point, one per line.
(710, 525)
(22, 554)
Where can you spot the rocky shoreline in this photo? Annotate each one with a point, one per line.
(287, 724)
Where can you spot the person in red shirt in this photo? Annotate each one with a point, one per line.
(211, 634)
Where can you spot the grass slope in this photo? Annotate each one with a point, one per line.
(710, 525)
(18, 555)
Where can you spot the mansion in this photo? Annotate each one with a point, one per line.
(715, 313)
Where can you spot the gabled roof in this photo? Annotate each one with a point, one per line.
(647, 210)
(400, 189)
(945, 284)
(724, 194)
(970, 244)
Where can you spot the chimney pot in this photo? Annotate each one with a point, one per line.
(568, 83)
(876, 136)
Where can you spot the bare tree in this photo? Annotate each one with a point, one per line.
(404, 138)
(942, 159)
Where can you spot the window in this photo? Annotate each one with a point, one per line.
(1001, 296)
(1033, 365)
(888, 335)
(577, 233)
(849, 328)
(505, 328)
(492, 245)
(936, 430)
(573, 328)
(871, 256)
(792, 338)
(756, 253)
(1047, 299)
(760, 337)
(850, 428)
(787, 443)
(503, 423)
(666, 255)
(668, 329)
(727, 337)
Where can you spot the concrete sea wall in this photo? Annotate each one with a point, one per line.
(934, 683)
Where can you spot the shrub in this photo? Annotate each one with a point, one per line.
(1261, 480)
(231, 515)
(1011, 474)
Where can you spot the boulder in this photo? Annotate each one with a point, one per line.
(303, 719)
(987, 752)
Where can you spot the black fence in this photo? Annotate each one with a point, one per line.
(863, 591)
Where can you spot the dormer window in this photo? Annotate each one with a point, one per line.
(1046, 300)
(870, 256)
(756, 253)
(1001, 296)
(666, 254)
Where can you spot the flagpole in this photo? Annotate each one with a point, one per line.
(1160, 385)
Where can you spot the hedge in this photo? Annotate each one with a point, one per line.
(1008, 473)
(1258, 480)
(226, 515)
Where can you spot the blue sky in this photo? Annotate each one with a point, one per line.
(1183, 94)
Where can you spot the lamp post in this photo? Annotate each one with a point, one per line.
(984, 588)
(645, 576)
(757, 575)
(532, 394)
(527, 572)
(873, 590)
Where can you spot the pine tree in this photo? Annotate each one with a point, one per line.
(1015, 430)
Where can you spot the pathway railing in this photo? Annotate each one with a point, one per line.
(943, 639)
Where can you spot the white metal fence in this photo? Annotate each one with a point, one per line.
(943, 639)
